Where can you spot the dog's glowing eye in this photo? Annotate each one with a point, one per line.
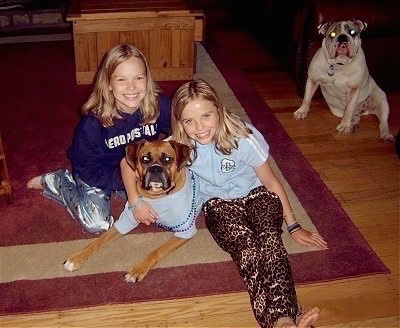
(332, 35)
(352, 32)
(166, 160)
(146, 159)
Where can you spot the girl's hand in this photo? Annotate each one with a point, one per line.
(307, 238)
(145, 214)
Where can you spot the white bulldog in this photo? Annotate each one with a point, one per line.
(340, 69)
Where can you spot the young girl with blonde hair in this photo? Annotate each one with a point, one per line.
(245, 204)
(125, 105)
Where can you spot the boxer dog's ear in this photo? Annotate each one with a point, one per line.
(182, 153)
(132, 153)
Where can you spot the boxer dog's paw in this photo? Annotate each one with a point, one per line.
(130, 278)
(137, 273)
(73, 263)
(70, 266)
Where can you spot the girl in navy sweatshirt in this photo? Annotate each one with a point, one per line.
(125, 105)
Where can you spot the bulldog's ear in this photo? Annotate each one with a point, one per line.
(322, 28)
(132, 151)
(360, 24)
(182, 153)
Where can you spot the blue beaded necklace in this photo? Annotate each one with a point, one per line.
(192, 213)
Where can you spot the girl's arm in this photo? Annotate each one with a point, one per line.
(143, 212)
(271, 182)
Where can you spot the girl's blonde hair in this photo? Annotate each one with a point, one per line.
(231, 127)
(102, 103)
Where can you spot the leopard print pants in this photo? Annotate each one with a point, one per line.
(250, 229)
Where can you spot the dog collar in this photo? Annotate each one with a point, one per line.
(331, 69)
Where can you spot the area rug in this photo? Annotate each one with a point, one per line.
(38, 112)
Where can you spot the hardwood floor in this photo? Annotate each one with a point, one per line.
(361, 171)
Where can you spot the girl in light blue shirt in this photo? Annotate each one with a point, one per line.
(245, 204)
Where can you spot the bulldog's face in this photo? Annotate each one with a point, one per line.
(342, 40)
(158, 165)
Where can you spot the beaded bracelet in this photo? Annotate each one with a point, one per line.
(133, 207)
(294, 227)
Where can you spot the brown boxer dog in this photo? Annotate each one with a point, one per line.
(161, 170)
(339, 68)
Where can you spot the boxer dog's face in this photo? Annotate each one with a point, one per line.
(158, 165)
(342, 40)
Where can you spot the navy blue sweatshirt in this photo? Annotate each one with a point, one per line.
(97, 151)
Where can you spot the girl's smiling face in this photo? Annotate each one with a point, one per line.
(200, 120)
(129, 84)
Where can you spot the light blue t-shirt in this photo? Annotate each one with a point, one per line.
(230, 176)
(177, 212)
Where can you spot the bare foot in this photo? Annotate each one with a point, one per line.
(34, 183)
(307, 320)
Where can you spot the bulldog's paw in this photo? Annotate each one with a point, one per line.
(386, 135)
(137, 273)
(344, 128)
(73, 263)
(301, 113)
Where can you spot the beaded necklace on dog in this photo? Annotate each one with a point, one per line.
(192, 212)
